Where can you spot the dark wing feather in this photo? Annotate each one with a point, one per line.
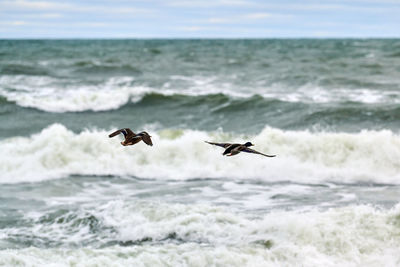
(224, 145)
(135, 139)
(147, 139)
(125, 131)
(117, 132)
(249, 150)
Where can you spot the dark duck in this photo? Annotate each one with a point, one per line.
(234, 149)
(131, 138)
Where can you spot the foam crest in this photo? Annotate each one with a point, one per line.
(47, 94)
(58, 95)
(350, 236)
(368, 156)
(344, 234)
(55, 95)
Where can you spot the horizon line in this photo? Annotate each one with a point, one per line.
(192, 38)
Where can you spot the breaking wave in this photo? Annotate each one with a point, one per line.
(303, 156)
(52, 94)
(142, 234)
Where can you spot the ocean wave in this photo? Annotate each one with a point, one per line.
(55, 152)
(3, 100)
(24, 69)
(104, 68)
(348, 236)
(43, 94)
(52, 94)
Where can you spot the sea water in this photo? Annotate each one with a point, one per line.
(71, 196)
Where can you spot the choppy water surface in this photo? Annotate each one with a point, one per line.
(72, 196)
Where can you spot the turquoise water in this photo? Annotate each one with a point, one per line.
(329, 110)
(341, 85)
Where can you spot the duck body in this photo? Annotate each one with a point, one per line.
(234, 149)
(131, 138)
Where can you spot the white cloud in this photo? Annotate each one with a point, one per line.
(13, 23)
(247, 18)
(379, 2)
(116, 10)
(220, 20)
(349, 6)
(209, 4)
(29, 5)
(257, 16)
(51, 15)
(191, 29)
(196, 17)
(38, 6)
(40, 16)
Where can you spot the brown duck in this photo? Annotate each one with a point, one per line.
(131, 138)
(234, 149)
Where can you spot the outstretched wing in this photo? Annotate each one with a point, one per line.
(224, 145)
(125, 131)
(146, 138)
(249, 150)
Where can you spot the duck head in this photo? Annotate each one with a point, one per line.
(248, 144)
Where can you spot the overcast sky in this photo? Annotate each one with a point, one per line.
(199, 18)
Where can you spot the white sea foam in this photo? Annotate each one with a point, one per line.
(57, 95)
(311, 93)
(302, 156)
(46, 94)
(349, 236)
(50, 94)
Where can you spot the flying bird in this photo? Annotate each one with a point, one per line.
(234, 149)
(131, 138)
